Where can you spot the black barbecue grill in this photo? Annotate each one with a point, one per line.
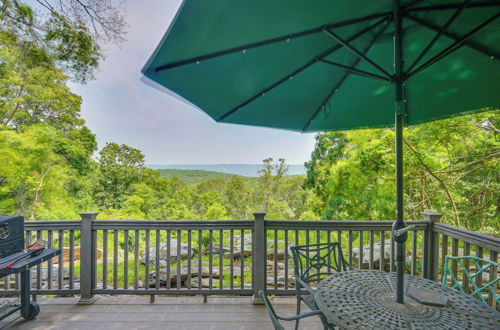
(14, 259)
(11, 235)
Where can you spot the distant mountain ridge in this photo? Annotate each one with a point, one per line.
(250, 170)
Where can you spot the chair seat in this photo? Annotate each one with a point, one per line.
(310, 301)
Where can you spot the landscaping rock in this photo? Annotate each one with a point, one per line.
(165, 251)
(376, 252)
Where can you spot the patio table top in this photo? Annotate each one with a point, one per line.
(366, 299)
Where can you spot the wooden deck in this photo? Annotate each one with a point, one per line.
(136, 312)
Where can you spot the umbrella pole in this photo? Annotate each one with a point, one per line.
(399, 223)
(400, 112)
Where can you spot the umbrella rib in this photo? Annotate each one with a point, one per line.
(266, 42)
(477, 47)
(356, 52)
(302, 68)
(438, 34)
(342, 80)
(456, 45)
(455, 6)
(357, 71)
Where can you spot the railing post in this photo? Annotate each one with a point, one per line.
(259, 257)
(86, 258)
(431, 247)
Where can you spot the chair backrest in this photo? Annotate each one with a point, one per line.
(270, 311)
(473, 269)
(317, 261)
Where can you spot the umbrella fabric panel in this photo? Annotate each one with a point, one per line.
(203, 27)
(354, 106)
(467, 20)
(463, 82)
(237, 77)
(291, 104)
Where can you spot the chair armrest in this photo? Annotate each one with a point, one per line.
(304, 285)
(301, 316)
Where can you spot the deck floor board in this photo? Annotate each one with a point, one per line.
(136, 312)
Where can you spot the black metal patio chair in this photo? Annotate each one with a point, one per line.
(276, 319)
(312, 264)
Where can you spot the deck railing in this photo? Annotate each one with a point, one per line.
(233, 257)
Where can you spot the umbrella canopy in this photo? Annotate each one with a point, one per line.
(301, 66)
(334, 65)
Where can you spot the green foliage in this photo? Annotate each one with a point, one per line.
(194, 176)
(119, 169)
(32, 90)
(70, 33)
(450, 165)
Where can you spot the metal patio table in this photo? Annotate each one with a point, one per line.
(364, 299)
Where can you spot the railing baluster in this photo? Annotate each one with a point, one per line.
(275, 264)
(115, 259)
(381, 262)
(307, 243)
(454, 252)
(93, 261)
(242, 259)
(147, 261)
(349, 251)
(188, 280)
(200, 256)
(221, 258)
(210, 251)
(231, 259)
(104, 259)
(286, 257)
(168, 281)
(60, 260)
(157, 258)
(329, 261)
(179, 241)
(136, 259)
(479, 254)
(71, 259)
(414, 252)
(360, 255)
(50, 245)
(125, 259)
(372, 234)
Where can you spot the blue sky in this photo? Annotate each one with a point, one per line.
(119, 107)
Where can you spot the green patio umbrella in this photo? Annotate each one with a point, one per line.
(328, 65)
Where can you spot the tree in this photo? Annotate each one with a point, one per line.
(237, 196)
(32, 90)
(329, 148)
(120, 167)
(35, 180)
(270, 179)
(72, 32)
(449, 165)
(216, 211)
